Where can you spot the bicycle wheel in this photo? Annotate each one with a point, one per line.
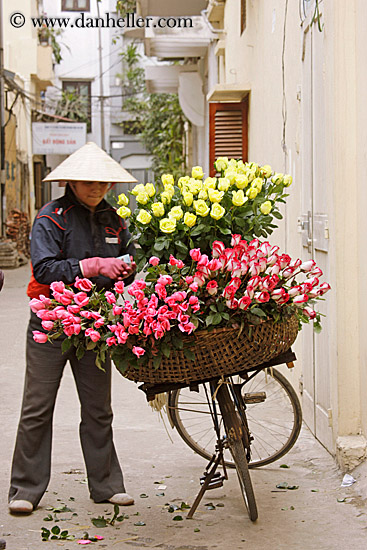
(274, 423)
(234, 429)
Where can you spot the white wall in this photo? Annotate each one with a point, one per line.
(80, 53)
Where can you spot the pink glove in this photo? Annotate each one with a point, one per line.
(109, 267)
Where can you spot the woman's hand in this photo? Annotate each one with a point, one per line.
(128, 269)
(113, 268)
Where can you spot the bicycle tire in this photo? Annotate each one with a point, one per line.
(179, 417)
(234, 429)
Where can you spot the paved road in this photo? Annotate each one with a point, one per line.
(308, 518)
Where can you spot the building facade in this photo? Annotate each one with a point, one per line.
(90, 68)
(27, 71)
(291, 77)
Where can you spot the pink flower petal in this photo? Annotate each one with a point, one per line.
(98, 537)
(84, 541)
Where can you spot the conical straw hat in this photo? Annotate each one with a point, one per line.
(90, 163)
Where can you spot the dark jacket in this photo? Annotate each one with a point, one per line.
(65, 231)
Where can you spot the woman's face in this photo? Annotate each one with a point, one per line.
(90, 192)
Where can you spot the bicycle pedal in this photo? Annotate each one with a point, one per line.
(255, 397)
(216, 480)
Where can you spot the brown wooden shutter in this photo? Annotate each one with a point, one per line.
(228, 129)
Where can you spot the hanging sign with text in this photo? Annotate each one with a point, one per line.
(58, 138)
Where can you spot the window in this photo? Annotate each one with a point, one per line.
(228, 131)
(75, 5)
(243, 15)
(78, 104)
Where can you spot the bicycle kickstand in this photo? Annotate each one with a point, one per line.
(210, 480)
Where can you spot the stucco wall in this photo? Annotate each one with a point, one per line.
(279, 89)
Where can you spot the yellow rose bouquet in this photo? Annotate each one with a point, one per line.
(173, 217)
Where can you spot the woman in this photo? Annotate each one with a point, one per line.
(76, 235)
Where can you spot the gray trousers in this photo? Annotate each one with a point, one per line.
(32, 455)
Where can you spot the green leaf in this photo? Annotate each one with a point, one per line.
(284, 466)
(185, 506)
(178, 343)
(181, 247)
(166, 349)
(99, 522)
(91, 344)
(157, 360)
(45, 533)
(80, 351)
(189, 354)
(66, 345)
(116, 509)
(209, 320)
(55, 530)
(172, 508)
(177, 518)
(259, 312)
(277, 215)
(217, 319)
(159, 245)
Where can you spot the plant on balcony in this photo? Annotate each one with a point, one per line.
(123, 7)
(50, 35)
(73, 106)
(158, 118)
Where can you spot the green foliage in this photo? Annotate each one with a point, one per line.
(158, 118)
(73, 105)
(124, 7)
(51, 35)
(101, 521)
(247, 217)
(55, 533)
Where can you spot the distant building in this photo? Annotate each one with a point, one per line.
(28, 70)
(90, 64)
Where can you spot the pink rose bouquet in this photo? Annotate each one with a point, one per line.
(239, 285)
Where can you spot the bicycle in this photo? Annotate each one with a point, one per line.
(231, 414)
(273, 413)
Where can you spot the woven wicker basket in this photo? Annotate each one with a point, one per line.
(220, 352)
